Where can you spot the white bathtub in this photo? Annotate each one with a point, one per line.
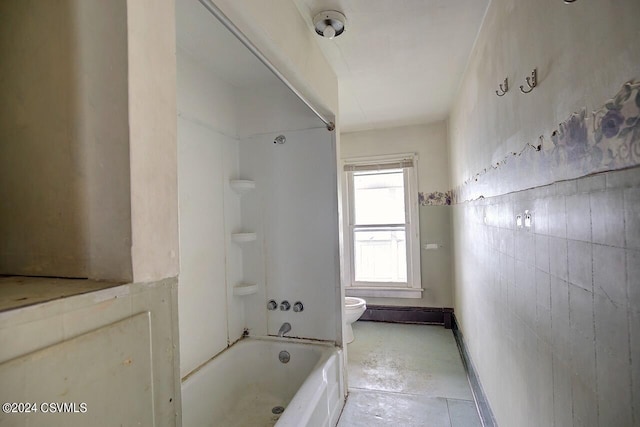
(242, 385)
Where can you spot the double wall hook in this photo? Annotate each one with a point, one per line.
(504, 88)
(531, 81)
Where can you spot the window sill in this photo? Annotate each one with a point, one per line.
(383, 292)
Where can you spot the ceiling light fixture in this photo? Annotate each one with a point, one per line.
(329, 23)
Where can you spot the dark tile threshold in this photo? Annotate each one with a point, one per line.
(419, 315)
(482, 404)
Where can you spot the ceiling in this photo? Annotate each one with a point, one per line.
(399, 62)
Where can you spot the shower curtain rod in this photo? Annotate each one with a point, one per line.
(220, 16)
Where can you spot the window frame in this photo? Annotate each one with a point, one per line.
(413, 287)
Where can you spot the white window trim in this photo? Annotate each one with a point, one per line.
(413, 288)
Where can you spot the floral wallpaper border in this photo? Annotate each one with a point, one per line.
(437, 198)
(607, 140)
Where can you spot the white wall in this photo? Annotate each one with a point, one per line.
(151, 37)
(549, 315)
(64, 151)
(429, 141)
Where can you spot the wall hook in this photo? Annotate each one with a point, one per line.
(569, 1)
(531, 81)
(503, 88)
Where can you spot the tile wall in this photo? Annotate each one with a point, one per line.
(554, 309)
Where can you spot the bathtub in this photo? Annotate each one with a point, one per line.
(242, 385)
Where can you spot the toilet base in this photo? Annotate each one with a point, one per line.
(348, 334)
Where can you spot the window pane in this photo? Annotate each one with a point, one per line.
(379, 197)
(380, 255)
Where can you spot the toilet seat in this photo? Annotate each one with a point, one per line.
(353, 303)
(353, 309)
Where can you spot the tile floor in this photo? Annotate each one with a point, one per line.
(406, 375)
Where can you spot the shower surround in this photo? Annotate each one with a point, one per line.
(258, 204)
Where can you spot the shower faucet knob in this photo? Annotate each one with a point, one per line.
(297, 307)
(272, 305)
(285, 306)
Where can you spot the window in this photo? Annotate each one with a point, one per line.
(382, 227)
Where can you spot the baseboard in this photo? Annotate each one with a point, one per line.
(482, 404)
(420, 315)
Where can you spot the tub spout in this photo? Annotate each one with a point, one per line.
(286, 327)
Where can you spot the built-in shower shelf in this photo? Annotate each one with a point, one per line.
(242, 186)
(243, 237)
(242, 289)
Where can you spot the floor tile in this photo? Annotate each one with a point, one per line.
(415, 359)
(463, 413)
(406, 375)
(374, 408)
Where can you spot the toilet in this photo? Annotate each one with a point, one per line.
(353, 309)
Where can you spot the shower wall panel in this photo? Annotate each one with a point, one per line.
(295, 214)
(209, 264)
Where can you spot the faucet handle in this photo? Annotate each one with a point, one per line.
(272, 305)
(285, 306)
(297, 307)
